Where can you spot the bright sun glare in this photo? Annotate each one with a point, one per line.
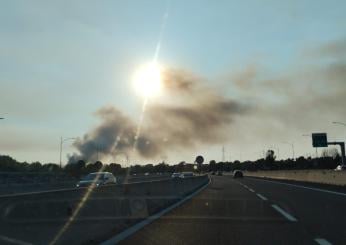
(147, 80)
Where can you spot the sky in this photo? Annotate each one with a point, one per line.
(282, 62)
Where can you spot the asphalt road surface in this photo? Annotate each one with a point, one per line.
(251, 211)
(38, 187)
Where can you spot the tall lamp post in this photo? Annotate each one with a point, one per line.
(342, 144)
(309, 135)
(61, 142)
(292, 145)
(340, 123)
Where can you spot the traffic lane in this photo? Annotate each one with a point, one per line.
(8, 189)
(42, 233)
(323, 214)
(86, 217)
(70, 186)
(224, 213)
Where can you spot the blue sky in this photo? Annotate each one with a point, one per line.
(60, 61)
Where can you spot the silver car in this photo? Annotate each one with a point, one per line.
(97, 179)
(186, 174)
(175, 175)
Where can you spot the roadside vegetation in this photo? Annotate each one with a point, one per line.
(329, 159)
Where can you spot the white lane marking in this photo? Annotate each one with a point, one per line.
(322, 241)
(246, 186)
(304, 187)
(133, 229)
(284, 213)
(262, 197)
(12, 240)
(251, 190)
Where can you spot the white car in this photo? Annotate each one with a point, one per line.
(340, 168)
(97, 179)
(175, 175)
(186, 175)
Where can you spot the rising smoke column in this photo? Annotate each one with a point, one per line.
(188, 115)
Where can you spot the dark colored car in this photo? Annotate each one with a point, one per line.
(238, 174)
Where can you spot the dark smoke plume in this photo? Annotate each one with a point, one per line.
(188, 115)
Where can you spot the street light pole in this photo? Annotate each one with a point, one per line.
(292, 145)
(277, 151)
(340, 123)
(308, 135)
(342, 144)
(61, 142)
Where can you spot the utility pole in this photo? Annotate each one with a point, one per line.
(292, 146)
(97, 153)
(60, 150)
(223, 153)
(340, 123)
(342, 146)
(61, 142)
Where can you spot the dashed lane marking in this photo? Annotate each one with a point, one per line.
(13, 241)
(262, 197)
(322, 241)
(284, 213)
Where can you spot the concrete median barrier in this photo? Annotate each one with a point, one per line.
(315, 176)
(105, 208)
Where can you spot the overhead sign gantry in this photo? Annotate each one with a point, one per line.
(320, 140)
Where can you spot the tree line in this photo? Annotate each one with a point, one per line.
(327, 160)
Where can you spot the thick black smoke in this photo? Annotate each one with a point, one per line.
(188, 115)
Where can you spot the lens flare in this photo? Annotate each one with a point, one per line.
(147, 80)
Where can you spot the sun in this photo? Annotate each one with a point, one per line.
(147, 80)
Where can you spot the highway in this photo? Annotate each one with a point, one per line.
(251, 211)
(15, 189)
(87, 215)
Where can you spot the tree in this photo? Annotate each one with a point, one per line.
(35, 167)
(51, 167)
(270, 159)
(93, 167)
(180, 167)
(270, 156)
(333, 152)
(114, 168)
(161, 167)
(75, 169)
(212, 165)
(220, 166)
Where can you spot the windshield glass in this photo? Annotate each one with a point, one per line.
(172, 122)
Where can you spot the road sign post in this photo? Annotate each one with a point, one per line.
(320, 140)
(342, 146)
(199, 160)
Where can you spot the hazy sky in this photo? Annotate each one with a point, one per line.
(61, 61)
